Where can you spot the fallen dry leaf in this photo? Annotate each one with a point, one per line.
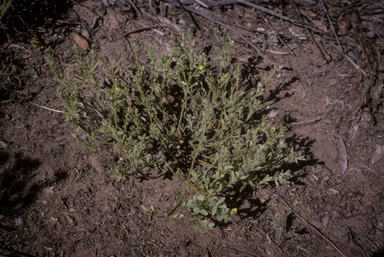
(352, 132)
(355, 86)
(375, 94)
(81, 42)
(343, 156)
(377, 155)
(343, 24)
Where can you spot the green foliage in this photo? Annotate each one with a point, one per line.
(4, 6)
(178, 116)
(276, 222)
(277, 227)
(4, 86)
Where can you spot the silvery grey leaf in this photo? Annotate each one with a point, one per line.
(352, 132)
(378, 154)
(343, 156)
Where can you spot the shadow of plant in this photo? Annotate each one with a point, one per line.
(244, 195)
(17, 192)
(14, 194)
(28, 19)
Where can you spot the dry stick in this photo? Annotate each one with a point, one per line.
(278, 36)
(161, 9)
(349, 59)
(266, 10)
(364, 42)
(134, 6)
(278, 52)
(138, 30)
(308, 31)
(379, 5)
(281, 16)
(49, 109)
(225, 26)
(333, 28)
(309, 224)
(282, 41)
(188, 16)
(202, 4)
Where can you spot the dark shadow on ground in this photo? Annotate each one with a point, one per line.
(14, 194)
(378, 253)
(244, 195)
(8, 252)
(28, 19)
(17, 192)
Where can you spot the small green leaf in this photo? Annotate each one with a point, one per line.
(203, 212)
(176, 216)
(214, 209)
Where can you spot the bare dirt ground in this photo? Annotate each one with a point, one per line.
(58, 199)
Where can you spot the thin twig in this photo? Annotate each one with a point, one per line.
(161, 42)
(161, 9)
(202, 4)
(49, 109)
(309, 224)
(281, 16)
(364, 214)
(349, 59)
(222, 24)
(308, 31)
(188, 15)
(266, 10)
(333, 28)
(134, 6)
(279, 52)
(278, 36)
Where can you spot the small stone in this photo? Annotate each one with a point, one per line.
(342, 232)
(19, 222)
(370, 209)
(3, 144)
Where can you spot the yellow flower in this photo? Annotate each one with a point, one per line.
(234, 211)
(116, 90)
(273, 129)
(201, 67)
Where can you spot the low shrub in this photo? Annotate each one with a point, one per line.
(180, 116)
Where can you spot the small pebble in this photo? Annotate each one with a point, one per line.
(19, 222)
(3, 144)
